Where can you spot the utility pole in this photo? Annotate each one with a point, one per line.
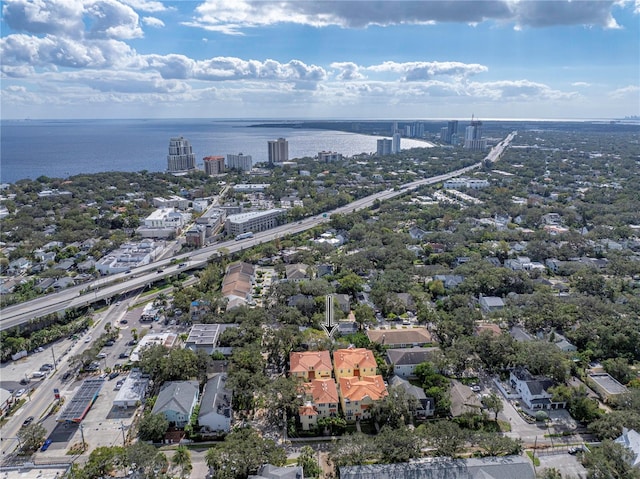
(124, 441)
(84, 446)
(55, 365)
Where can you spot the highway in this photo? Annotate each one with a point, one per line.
(112, 286)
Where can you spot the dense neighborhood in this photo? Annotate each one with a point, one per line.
(484, 326)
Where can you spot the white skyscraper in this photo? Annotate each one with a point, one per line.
(239, 162)
(278, 151)
(180, 157)
(395, 142)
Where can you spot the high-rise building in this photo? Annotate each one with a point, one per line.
(278, 151)
(473, 136)
(239, 162)
(449, 134)
(180, 157)
(213, 165)
(395, 142)
(329, 156)
(383, 147)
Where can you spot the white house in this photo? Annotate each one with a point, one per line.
(215, 407)
(533, 391)
(631, 440)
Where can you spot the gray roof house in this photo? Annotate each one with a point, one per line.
(268, 471)
(176, 401)
(215, 406)
(631, 440)
(506, 467)
(426, 405)
(405, 360)
(490, 304)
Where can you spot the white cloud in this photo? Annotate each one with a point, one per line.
(630, 91)
(581, 84)
(44, 16)
(521, 90)
(233, 17)
(147, 5)
(347, 71)
(420, 71)
(112, 19)
(153, 22)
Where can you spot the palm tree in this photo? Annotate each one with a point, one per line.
(182, 460)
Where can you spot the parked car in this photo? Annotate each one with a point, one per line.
(124, 321)
(20, 392)
(123, 355)
(114, 375)
(46, 367)
(87, 339)
(28, 421)
(24, 381)
(110, 343)
(46, 445)
(66, 375)
(101, 355)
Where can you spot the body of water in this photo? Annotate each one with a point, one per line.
(62, 148)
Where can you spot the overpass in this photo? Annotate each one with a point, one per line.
(104, 289)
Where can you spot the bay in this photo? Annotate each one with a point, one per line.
(62, 148)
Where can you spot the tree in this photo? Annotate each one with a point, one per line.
(146, 460)
(350, 284)
(32, 436)
(398, 444)
(495, 444)
(610, 426)
(551, 473)
(181, 459)
(153, 427)
(446, 437)
(308, 462)
(493, 403)
(241, 453)
(396, 409)
(610, 460)
(352, 450)
(103, 461)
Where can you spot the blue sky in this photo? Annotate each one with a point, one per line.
(416, 59)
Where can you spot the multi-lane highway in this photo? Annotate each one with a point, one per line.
(114, 285)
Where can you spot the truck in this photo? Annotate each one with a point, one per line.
(246, 235)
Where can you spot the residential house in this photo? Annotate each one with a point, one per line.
(400, 338)
(426, 405)
(505, 467)
(321, 400)
(297, 272)
(310, 365)
(449, 281)
(176, 401)
(267, 471)
(631, 440)
(215, 407)
(344, 302)
(352, 362)
(533, 391)
(238, 284)
(490, 304)
(417, 233)
(405, 360)
(463, 400)
(6, 400)
(358, 394)
(407, 301)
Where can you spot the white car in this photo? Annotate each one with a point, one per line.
(20, 392)
(87, 339)
(101, 356)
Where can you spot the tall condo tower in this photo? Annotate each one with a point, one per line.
(395, 142)
(180, 157)
(278, 151)
(383, 146)
(213, 165)
(473, 136)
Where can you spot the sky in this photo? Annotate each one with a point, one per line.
(320, 59)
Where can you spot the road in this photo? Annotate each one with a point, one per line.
(112, 286)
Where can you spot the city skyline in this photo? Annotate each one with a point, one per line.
(416, 59)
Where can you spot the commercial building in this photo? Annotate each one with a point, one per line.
(133, 390)
(251, 187)
(163, 223)
(129, 255)
(329, 156)
(605, 385)
(180, 157)
(278, 151)
(205, 337)
(213, 165)
(173, 201)
(254, 221)
(449, 134)
(168, 340)
(383, 147)
(239, 162)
